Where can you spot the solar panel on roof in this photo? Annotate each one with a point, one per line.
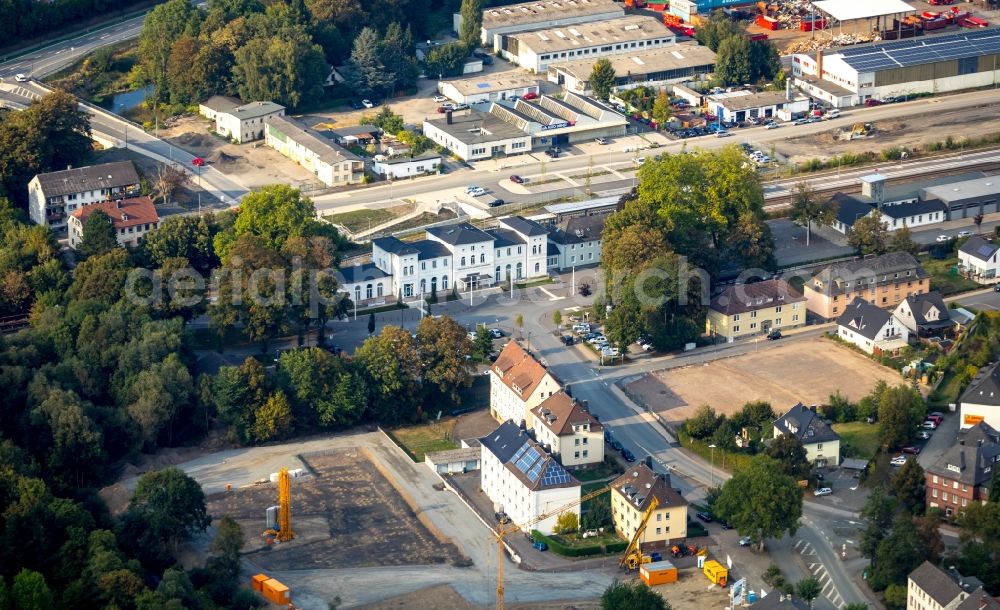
(555, 475)
(985, 251)
(527, 460)
(519, 453)
(535, 471)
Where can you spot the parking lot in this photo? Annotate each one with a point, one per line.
(782, 375)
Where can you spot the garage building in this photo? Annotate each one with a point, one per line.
(650, 68)
(929, 64)
(489, 88)
(742, 105)
(967, 198)
(537, 49)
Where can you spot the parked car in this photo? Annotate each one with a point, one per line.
(899, 460)
(941, 238)
(568, 340)
(722, 133)
(872, 102)
(996, 288)
(517, 179)
(772, 125)
(496, 203)
(473, 187)
(930, 425)
(707, 518)
(609, 352)
(911, 450)
(823, 491)
(20, 78)
(936, 418)
(198, 162)
(774, 335)
(745, 541)
(965, 233)
(602, 141)
(627, 456)
(531, 95)
(616, 445)
(460, 107)
(439, 98)
(367, 103)
(445, 108)
(552, 152)
(924, 435)
(640, 160)
(496, 333)
(541, 546)
(356, 105)
(471, 335)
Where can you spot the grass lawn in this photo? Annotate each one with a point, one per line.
(725, 460)
(857, 439)
(360, 220)
(424, 219)
(597, 473)
(942, 278)
(575, 541)
(418, 440)
(947, 391)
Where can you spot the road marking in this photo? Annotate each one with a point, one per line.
(552, 297)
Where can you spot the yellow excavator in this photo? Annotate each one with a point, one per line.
(633, 557)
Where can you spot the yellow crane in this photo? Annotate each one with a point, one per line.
(285, 532)
(633, 554)
(501, 532)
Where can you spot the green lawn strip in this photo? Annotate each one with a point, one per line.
(425, 438)
(361, 220)
(857, 439)
(944, 277)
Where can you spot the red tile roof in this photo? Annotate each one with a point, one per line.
(129, 213)
(519, 370)
(560, 413)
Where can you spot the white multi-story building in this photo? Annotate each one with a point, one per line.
(539, 15)
(518, 384)
(331, 163)
(978, 259)
(246, 123)
(523, 480)
(520, 245)
(568, 431)
(55, 195)
(131, 219)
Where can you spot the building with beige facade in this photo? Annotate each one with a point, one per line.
(518, 384)
(745, 310)
(568, 431)
(331, 163)
(631, 494)
(884, 281)
(930, 587)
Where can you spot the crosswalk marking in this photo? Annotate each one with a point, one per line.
(829, 590)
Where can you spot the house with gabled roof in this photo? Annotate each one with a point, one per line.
(523, 480)
(518, 384)
(54, 196)
(925, 315)
(981, 400)
(568, 431)
(821, 443)
(631, 495)
(930, 587)
(963, 474)
(881, 280)
(979, 259)
(873, 329)
(744, 310)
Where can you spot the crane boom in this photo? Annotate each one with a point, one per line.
(633, 555)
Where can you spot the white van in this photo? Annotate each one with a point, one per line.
(833, 113)
(581, 328)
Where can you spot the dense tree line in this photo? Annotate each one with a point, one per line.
(25, 19)
(739, 60)
(693, 215)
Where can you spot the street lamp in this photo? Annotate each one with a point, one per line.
(712, 447)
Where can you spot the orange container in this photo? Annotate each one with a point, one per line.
(257, 582)
(276, 593)
(658, 573)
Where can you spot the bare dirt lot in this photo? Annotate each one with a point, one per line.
(798, 371)
(252, 164)
(348, 515)
(911, 133)
(445, 598)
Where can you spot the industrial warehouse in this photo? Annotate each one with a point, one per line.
(932, 64)
(651, 68)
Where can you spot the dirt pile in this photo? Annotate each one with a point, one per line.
(226, 160)
(197, 140)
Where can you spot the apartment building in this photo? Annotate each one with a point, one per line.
(131, 219)
(963, 474)
(523, 480)
(245, 123)
(331, 163)
(873, 329)
(978, 259)
(932, 588)
(53, 196)
(981, 400)
(631, 495)
(518, 384)
(744, 310)
(568, 431)
(821, 443)
(576, 242)
(881, 280)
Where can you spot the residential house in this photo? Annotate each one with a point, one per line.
(213, 106)
(576, 242)
(523, 480)
(132, 219)
(873, 329)
(246, 123)
(981, 400)
(413, 269)
(964, 472)
(568, 431)
(881, 280)
(929, 587)
(977, 258)
(409, 167)
(332, 164)
(744, 310)
(821, 443)
(925, 315)
(518, 384)
(631, 495)
(55, 195)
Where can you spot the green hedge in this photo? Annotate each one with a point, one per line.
(584, 551)
(616, 547)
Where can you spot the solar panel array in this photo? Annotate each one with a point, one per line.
(985, 251)
(915, 52)
(530, 461)
(555, 475)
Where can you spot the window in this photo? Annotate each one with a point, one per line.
(934, 478)
(658, 530)
(795, 317)
(444, 283)
(584, 441)
(368, 291)
(736, 329)
(423, 265)
(482, 258)
(819, 446)
(463, 262)
(777, 309)
(777, 321)
(736, 318)
(584, 453)
(577, 441)
(576, 454)
(659, 516)
(753, 325)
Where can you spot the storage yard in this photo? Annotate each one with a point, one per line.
(782, 375)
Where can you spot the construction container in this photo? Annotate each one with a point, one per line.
(276, 593)
(768, 23)
(658, 573)
(257, 582)
(809, 24)
(716, 572)
(935, 24)
(272, 517)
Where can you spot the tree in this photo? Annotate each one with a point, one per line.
(598, 516)
(371, 323)
(77, 442)
(158, 395)
(808, 589)
(760, 502)
(732, 62)
(788, 451)
(557, 318)
(898, 554)
(226, 546)
(855, 606)
(101, 277)
(322, 388)
(519, 323)
(895, 597)
(170, 505)
(995, 486)
(566, 523)
(624, 323)
(602, 78)
(472, 23)
(398, 56)
(390, 363)
(807, 210)
(447, 59)
(631, 596)
(877, 513)
(902, 241)
(186, 237)
(287, 68)
(908, 486)
(366, 71)
(273, 419)
(900, 411)
(385, 119)
(99, 235)
(483, 343)
(928, 528)
(445, 352)
(275, 213)
(869, 235)
(703, 423)
(30, 592)
(661, 108)
(163, 25)
(168, 180)
(584, 289)
(718, 28)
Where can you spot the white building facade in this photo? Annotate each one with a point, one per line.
(52, 197)
(246, 123)
(422, 165)
(518, 384)
(873, 329)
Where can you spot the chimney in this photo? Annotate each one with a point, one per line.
(819, 63)
(448, 115)
(69, 167)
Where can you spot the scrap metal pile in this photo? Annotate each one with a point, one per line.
(825, 41)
